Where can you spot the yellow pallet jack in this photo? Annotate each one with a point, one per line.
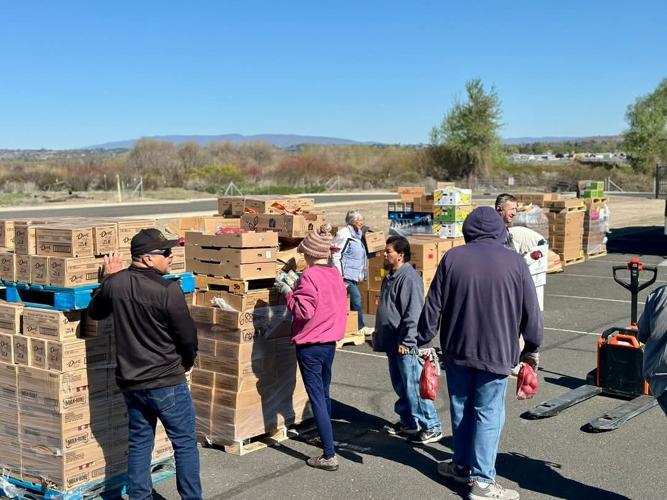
(619, 366)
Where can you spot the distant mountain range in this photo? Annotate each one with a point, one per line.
(278, 140)
(291, 140)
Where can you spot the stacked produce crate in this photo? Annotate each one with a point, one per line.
(591, 189)
(566, 229)
(63, 421)
(452, 206)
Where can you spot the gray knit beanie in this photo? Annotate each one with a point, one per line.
(317, 244)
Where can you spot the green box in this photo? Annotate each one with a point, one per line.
(449, 214)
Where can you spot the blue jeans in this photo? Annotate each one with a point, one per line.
(174, 407)
(355, 301)
(662, 401)
(413, 410)
(477, 407)
(315, 362)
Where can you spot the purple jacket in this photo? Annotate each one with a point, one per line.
(481, 299)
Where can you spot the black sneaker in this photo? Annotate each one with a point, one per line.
(450, 470)
(427, 436)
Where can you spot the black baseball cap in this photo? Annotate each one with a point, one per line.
(149, 240)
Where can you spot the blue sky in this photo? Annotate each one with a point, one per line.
(79, 73)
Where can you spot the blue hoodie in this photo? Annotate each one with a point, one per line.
(482, 299)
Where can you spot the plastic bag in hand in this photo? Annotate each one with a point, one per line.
(527, 382)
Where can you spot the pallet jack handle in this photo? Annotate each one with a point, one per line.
(635, 266)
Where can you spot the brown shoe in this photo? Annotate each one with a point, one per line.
(329, 464)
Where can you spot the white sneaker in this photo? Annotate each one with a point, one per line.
(367, 331)
(492, 490)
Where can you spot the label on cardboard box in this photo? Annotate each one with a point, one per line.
(23, 268)
(6, 348)
(37, 353)
(21, 350)
(375, 241)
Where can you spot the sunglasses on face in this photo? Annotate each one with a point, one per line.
(164, 253)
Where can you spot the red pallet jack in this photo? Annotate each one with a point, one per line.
(619, 367)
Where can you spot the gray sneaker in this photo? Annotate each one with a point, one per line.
(330, 464)
(398, 429)
(493, 490)
(450, 470)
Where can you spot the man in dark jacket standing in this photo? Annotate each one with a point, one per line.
(481, 300)
(401, 302)
(156, 344)
(653, 332)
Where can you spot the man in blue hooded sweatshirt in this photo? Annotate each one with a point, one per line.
(481, 299)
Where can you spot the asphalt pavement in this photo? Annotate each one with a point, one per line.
(156, 208)
(551, 458)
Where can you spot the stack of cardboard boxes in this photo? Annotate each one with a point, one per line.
(566, 228)
(68, 252)
(246, 381)
(60, 405)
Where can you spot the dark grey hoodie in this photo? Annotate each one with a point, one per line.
(653, 332)
(481, 299)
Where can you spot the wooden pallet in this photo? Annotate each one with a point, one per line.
(245, 446)
(351, 338)
(206, 282)
(114, 487)
(568, 205)
(575, 260)
(596, 255)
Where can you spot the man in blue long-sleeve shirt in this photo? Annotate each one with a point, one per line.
(481, 299)
(401, 301)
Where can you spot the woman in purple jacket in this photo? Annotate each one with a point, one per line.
(319, 312)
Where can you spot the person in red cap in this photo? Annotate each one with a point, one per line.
(318, 305)
(156, 344)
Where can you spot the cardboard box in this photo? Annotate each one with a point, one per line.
(211, 225)
(246, 239)
(231, 206)
(234, 256)
(24, 239)
(352, 322)
(178, 263)
(277, 205)
(76, 354)
(23, 268)
(105, 237)
(233, 271)
(286, 225)
(375, 241)
(6, 348)
(409, 193)
(7, 234)
(51, 324)
(7, 266)
(424, 253)
(39, 269)
(452, 196)
(448, 214)
(74, 271)
(246, 302)
(373, 301)
(58, 392)
(127, 228)
(21, 350)
(37, 352)
(453, 230)
(64, 241)
(10, 317)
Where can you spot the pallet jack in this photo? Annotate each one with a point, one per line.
(619, 366)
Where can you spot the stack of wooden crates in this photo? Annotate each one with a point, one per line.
(566, 229)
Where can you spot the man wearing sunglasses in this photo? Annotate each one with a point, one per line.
(156, 344)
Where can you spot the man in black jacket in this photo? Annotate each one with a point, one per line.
(481, 299)
(156, 344)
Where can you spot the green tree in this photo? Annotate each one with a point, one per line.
(467, 139)
(645, 141)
